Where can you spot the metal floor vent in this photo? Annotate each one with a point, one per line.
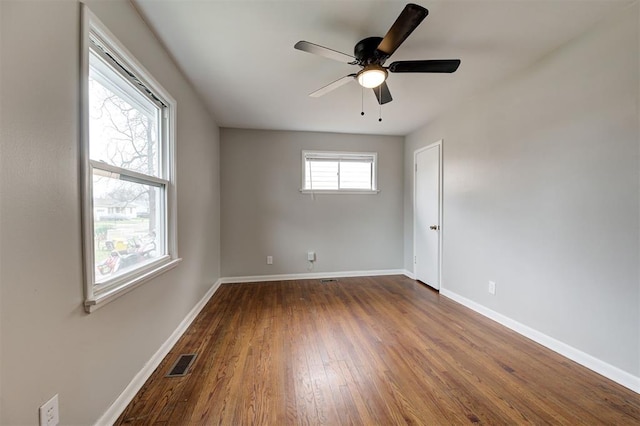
(329, 280)
(182, 365)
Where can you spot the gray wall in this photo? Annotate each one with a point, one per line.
(264, 213)
(541, 192)
(49, 344)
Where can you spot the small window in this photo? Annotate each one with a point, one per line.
(128, 169)
(349, 172)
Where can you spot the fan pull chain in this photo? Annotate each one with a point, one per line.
(362, 101)
(380, 103)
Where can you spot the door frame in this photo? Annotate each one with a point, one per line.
(440, 209)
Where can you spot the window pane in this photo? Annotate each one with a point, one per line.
(339, 171)
(323, 174)
(355, 175)
(128, 226)
(123, 124)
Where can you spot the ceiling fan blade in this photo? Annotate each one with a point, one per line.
(382, 93)
(332, 86)
(409, 19)
(433, 65)
(316, 49)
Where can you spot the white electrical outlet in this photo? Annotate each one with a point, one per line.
(311, 256)
(492, 287)
(49, 415)
(269, 260)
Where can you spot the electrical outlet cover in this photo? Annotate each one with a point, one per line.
(49, 415)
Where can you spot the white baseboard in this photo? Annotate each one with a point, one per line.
(312, 275)
(627, 380)
(119, 405)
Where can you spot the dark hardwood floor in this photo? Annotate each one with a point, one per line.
(364, 351)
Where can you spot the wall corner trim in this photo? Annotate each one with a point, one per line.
(113, 412)
(609, 371)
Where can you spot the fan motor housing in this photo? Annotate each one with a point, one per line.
(366, 51)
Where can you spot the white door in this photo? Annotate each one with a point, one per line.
(427, 218)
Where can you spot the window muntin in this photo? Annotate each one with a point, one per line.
(339, 171)
(128, 169)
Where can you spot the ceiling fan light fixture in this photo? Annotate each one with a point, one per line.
(372, 76)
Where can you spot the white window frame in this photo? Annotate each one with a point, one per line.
(116, 287)
(341, 155)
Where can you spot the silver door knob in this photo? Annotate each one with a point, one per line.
(434, 227)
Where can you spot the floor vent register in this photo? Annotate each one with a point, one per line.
(182, 365)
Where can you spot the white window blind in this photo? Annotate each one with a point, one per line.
(339, 171)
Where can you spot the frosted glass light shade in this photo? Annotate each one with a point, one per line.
(372, 76)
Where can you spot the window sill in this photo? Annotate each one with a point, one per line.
(334, 191)
(99, 300)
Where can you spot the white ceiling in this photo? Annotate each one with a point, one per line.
(240, 57)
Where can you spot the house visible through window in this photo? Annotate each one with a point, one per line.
(128, 169)
(339, 171)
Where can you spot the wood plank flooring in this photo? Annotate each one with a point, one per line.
(364, 351)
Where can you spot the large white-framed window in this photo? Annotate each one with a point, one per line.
(339, 172)
(127, 147)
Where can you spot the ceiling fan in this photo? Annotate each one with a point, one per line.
(371, 53)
